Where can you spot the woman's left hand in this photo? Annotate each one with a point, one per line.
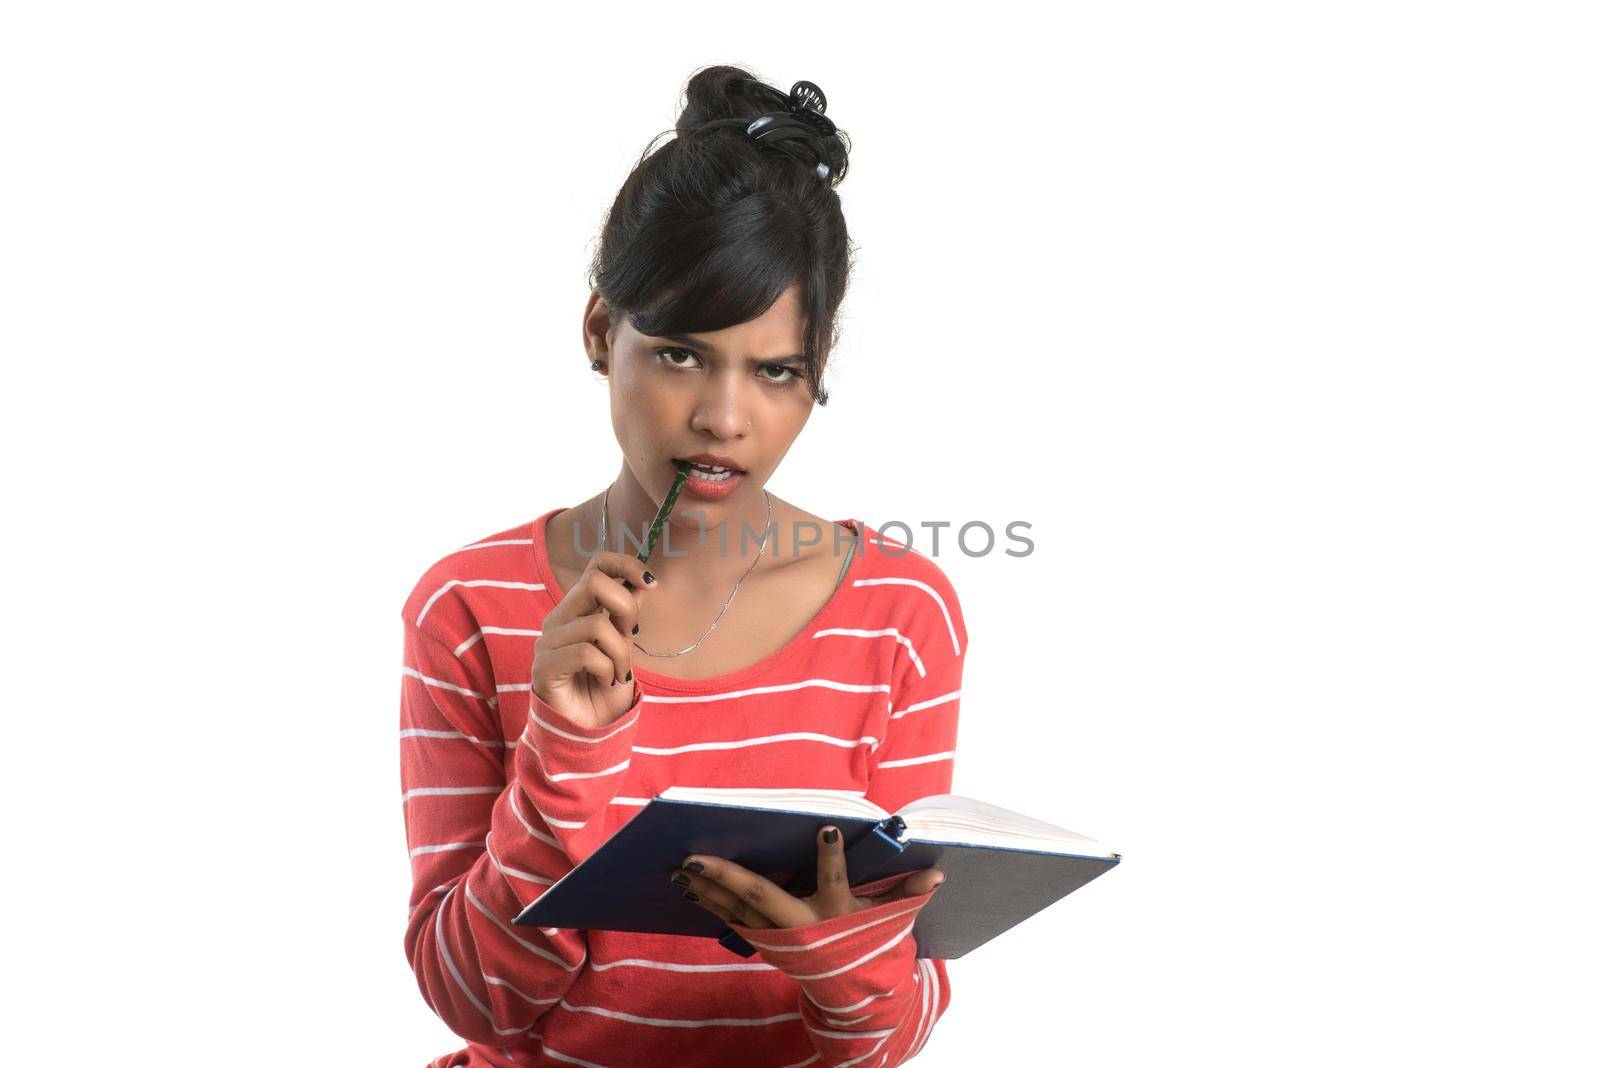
(739, 895)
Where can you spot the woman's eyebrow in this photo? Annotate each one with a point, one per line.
(695, 343)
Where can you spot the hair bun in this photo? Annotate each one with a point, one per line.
(727, 100)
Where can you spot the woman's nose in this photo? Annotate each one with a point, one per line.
(726, 425)
(723, 413)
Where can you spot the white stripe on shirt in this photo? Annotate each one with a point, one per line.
(908, 761)
(901, 638)
(765, 739)
(495, 583)
(929, 590)
(441, 684)
(830, 684)
(447, 791)
(418, 732)
(944, 698)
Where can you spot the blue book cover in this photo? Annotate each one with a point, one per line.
(1000, 867)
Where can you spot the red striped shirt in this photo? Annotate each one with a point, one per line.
(503, 795)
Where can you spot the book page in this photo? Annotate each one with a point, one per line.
(951, 817)
(822, 802)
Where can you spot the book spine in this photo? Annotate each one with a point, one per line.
(861, 861)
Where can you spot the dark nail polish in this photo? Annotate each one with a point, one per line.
(649, 579)
(680, 878)
(831, 835)
(636, 628)
(613, 682)
(691, 895)
(695, 866)
(629, 676)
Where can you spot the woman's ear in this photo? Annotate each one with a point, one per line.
(597, 328)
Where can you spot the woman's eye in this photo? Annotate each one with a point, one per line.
(667, 355)
(789, 373)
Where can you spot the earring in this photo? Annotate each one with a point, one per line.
(596, 365)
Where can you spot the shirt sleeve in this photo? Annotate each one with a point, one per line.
(866, 997)
(484, 846)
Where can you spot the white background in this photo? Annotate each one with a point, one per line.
(1277, 322)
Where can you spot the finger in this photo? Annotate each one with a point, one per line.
(746, 892)
(597, 593)
(716, 908)
(833, 881)
(580, 658)
(919, 882)
(595, 632)
(728, 905)
(628, 571)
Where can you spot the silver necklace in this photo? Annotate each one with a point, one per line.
(604, 507)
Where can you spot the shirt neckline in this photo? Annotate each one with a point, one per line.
(654, 680)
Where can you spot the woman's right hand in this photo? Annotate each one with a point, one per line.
(583, 659)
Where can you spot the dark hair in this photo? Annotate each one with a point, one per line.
(708, 230)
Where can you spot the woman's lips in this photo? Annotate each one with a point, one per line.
(707, 490)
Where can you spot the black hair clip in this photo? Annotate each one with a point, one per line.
(807, 96)
(802, 123)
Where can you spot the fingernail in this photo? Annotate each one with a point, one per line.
(613, 682)
(831, 835)
(691, 895)
(680, 878)
(636, 628)
(649, 579)
(629, 676)
(695, 866)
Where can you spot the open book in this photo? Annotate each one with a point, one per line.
(1000, 867)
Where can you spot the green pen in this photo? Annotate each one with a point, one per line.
(661, 516)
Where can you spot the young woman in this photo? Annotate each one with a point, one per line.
(553, 683)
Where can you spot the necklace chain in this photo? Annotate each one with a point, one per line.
(604, 507)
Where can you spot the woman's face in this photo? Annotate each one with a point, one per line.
(737, 393)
